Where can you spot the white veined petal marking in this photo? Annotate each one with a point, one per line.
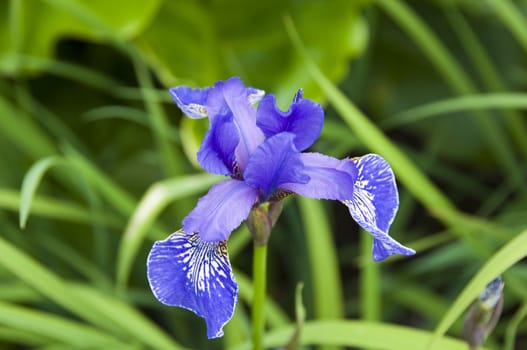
(205, 263)
(185, 271)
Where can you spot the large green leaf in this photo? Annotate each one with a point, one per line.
(32, 28)
(202, 42)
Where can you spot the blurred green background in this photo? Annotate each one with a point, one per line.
(97, 163)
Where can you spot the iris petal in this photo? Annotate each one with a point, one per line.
(221, 210)
(304, 119)
(216, 154)
(187, 272)
(330, 178)
(374, 204)
(274, 163)
(237, 98)
(191, 101)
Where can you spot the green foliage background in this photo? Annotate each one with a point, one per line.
(97, 163)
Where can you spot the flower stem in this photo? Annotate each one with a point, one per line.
(259, 287)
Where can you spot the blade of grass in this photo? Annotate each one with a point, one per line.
(31, 182)
(370, 293)
(104, 311)
(458, 104)
(17, 127)
(512, 327)
(327, 288)
(55, 328)
(171, 159)
(512, 17)
(413, 179)
(490, 76)
(512, 252)
(127, 317)
(155, 199)
(56, 209)
(455, 76)
(358, 334)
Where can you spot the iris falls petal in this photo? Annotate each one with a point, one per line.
(275, 162)
(330, 178)
(187, 272)
(374, 204)
(221, 210)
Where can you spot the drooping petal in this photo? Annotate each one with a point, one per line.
(374, 204)
(187, 272)
(216, 154)
(330, 178)
(191, 101)
(221, 210)
(274, 163)
(304, 119)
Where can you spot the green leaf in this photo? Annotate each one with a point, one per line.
(358, 334)
(54, 328)
(323, 261)
(40, 24)
(101, 310)
(30, 184)
(458, 104)
(508, 255)
(206, 44)
(156, 198)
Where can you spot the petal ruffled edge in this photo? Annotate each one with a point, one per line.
(304, 119)
(221, 210)
(374, 204)
(187, 272)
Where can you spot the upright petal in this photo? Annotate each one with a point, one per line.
(330, 178)
(374, 204)
(187, 272)
(216, 154)
(304, 119)
(237, 98)
(191, 101)
(274, 163)
(221, 210)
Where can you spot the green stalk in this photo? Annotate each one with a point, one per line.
(259, 281)
(369, 286)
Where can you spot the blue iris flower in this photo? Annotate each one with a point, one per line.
(261, 150)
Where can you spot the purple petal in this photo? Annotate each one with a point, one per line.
(330, 178)
(304, 119)
(274, 163)
(255, 95)
(191, 101)
(216, 154)
(374, 204)
(221, 210)
(236, 96)
(187, 272)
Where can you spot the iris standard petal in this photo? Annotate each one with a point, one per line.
(191, 101)
(216, 154)
(237, 98)
(274, 163)
(330, 178)
(374, 204)
(187, 272)
(221, 210)
(304, 118)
